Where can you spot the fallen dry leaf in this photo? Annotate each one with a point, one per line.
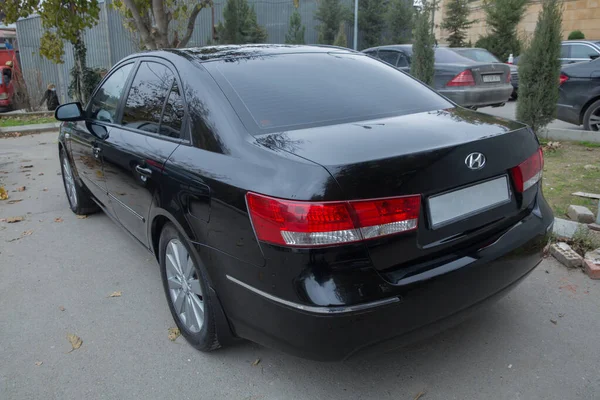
(553, 321)
(419, 395)
(173, 334)
(38, 363)
(3, 193)
(14, 201)
(21, 189)
(75, 341)
(81, 216)
(61, 308)
(115, 294)
(26, 166)
(256, 362)
(58, 219)
(12, 220)
(45, 189)
(40, 174)
(26, 233)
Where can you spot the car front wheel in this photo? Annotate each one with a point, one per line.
(80, 201)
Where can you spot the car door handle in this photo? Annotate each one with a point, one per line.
(143, 171)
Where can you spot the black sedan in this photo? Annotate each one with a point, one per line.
(467, 82)
(579, 94)
(310, 199)
(482, 55)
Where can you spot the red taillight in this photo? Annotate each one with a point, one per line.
(311, 224)
(562, 79)
(465, 78)
(529, 172)
(508, 77)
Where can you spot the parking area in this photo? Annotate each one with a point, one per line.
(57, 273)
(509, 110)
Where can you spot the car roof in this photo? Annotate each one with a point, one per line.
(225, 52)
(595, 43)
(390, 47)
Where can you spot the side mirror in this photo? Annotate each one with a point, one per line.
(69, 112)
(594, 56)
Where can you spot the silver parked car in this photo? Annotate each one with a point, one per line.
(467, 82)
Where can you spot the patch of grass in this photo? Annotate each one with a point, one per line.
(565, 173)
(584, 240)
(20, 121)
(591, 145)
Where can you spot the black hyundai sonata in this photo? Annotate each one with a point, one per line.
(310, 199)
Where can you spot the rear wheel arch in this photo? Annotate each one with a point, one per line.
(586, 106)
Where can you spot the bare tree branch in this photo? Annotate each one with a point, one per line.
(192, 21)
(139, 22)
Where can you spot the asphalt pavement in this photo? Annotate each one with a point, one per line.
(57, 273)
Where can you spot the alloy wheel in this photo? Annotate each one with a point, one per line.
(184, 286)
(595, 120)
(69, 183)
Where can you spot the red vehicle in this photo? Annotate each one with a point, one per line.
(9, 71)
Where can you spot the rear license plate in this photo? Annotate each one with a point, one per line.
(491, 78)
(458, 204)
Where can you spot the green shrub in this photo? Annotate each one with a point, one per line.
(295, 34)
(423, 58)
(539, 69)
(576, 35)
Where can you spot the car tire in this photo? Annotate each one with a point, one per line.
(80, 201)
(187, 291)
(593, 111)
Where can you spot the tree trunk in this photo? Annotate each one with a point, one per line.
(79, 53)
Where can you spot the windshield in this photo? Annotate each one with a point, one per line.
(291, 91)
(478, 55)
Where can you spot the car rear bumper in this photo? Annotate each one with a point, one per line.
(478, 97)
(436, 301)
(568, 113)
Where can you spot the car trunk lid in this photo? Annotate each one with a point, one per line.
(424, 154)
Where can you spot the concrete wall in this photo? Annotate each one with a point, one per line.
(578, 14)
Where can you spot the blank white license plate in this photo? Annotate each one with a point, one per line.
(453, 206)
(491, 78)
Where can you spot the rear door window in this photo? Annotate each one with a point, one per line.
(149, 90)
(293, 91)
(565, 51)
(389, 56)
(172, 119)
(582, 51)
(402, 60)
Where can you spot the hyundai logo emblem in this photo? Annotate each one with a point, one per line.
(475, 161)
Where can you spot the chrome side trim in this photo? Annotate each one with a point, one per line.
(125, 206)
(313, 309)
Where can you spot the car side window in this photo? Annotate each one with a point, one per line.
(103, 106)
(146, 98)
(172, 119)
(565, 51)
(582, 51)
(389, 56)
(402, 60)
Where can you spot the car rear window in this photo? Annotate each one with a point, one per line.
(478, 55)
(292, 91)
(449, 57)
